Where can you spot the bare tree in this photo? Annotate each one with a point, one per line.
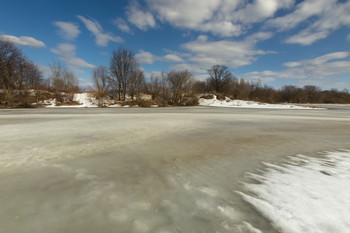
(63, 80)
(122, 66)
(100, 79)
(136, 82)
(180, 83)
(158, 87)
(31, 79)
(219, 78)
(200, 87)
(56, 76)
(12, 64)
(311, 93)
(155, 86)
(70, 83)
(31, 76)
(291, 94)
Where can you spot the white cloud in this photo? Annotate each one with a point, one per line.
(328, 65)
(141, 19)
(194, 68)
(102, 39)
(23, 40)
(122, 25)
(225, 52)
(326, 15)
(229, 18)
(326, 58)
(348, 37)
(223, 18)
(261, 9)
(306, 37)
(67, 54)
(202, 53)
(201, 15)
(173, 58)
(302, 12)
(68, 30)
(184, 13)
(145, 57)
(45, 70)
(292, 64)
(222, 28)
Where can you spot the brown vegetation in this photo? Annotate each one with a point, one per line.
(22, 85)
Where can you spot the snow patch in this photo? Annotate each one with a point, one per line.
(214, 102)
(305, 194)
(84, 100)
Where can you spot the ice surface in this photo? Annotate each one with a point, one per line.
(117, 170)
(245, 104)
(305, 194)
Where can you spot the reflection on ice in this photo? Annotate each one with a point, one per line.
(305, 194)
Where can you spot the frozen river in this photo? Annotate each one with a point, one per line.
(171, 170)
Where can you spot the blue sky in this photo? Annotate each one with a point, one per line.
(279, 42)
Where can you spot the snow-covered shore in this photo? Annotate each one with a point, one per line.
(86, 101)
(228, 103)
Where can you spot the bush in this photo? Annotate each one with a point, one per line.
(146, 103)
(189, 101)
(207, 97)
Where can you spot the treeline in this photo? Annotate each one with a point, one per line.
(18, 76)
(22, 82)
(223, 83)
(124, 77)
(123, 81)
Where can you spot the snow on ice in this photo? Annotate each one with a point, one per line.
(305, 194)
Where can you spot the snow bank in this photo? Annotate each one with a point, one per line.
(84, 100)
(305, 194)
(244, 104)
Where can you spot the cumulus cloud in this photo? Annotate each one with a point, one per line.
(303, 11)
(172, 58)
(292, 64)
(307, 37)
(206, 53)
(203, 53)
(68, 30)
(67, 54)
(328, 65)
(261, 9)
(145, 57)
(315, 19)
(23, 40)
(224, 18)
(184, 13)
(200, 15)
(141, 19)
(327, 16)
(122, 25)
(102, 38)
